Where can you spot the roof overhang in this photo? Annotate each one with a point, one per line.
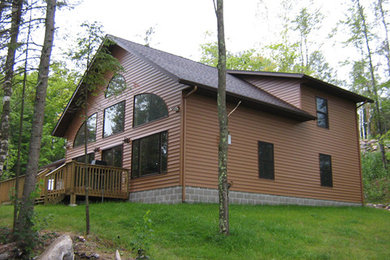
(300, 115)
(309, 81)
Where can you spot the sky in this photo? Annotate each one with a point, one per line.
(180, 25)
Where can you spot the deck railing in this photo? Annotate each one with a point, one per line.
(71, 179)
(7, 187)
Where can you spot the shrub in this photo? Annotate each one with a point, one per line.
(376, 180)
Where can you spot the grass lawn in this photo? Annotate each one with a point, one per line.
(186, 231)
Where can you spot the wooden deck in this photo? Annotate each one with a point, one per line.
(70, 180)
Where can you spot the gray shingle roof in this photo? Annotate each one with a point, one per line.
(186, 70)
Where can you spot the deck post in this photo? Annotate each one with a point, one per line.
(72, 199)
(45, 187)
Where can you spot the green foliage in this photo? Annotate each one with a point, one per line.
(190, 231)
(376, 179)
(61, 87)
(143, 234)
(248, 60)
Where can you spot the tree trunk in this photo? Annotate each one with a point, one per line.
(386, 42)
(374, 87)
(223, 126)
(24, 223)
(18, 163)
(86, 186)
(7, 84)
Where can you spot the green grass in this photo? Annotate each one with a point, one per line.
(186, 231)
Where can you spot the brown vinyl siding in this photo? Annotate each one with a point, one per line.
(287, 90)
(296, 149)
(140, 78)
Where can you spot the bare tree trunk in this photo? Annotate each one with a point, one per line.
(223, 125)
(86, 186)
(24, 223)
(7, 84)
(374, 87)
(16, 201)
(386, 42)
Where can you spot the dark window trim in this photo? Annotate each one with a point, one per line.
(259, 160)
(330, 185)
(139, 157)
(155, 120)
(85, 122)
(326, 114)
(108, 85)
(104, 118)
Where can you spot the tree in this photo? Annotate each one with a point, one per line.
(381, 15)
(7, 81)
(24, 233)
(361, 37)
(97, 66)
(223, 188)
(249, 60)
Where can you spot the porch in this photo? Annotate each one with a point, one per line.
(70, 180)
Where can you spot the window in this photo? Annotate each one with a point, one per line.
(116, 86)
(147, 108)
(113, 156)
(326, 170)
(91, 126)
(114, 118)
(266, 160)
(150, 155)
(81, 159)
(322, 112)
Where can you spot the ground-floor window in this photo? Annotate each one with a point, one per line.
(81, 159)
(266, 160)
(149, 155)
(113, 156)
(326, 170)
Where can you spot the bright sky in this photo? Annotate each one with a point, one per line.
(180, 25)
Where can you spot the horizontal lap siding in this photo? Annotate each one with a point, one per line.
(140, 78)
(296, 150)
(290, 92)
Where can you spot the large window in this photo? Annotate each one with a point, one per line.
(322, 112)
(150, 155)
(113, 156)
(114, 119)
(266, 160)
(326, 170)
(147, 108)
(81, 159)
(91, 126)
(116, 86)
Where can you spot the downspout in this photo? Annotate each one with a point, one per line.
(184, 127)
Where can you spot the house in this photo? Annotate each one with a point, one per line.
(293, 138)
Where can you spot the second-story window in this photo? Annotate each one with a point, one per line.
(80, 136)
(116, 86)
(322, 112)
(148, 108)
(114, 119)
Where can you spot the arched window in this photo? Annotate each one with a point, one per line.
(116, 86)
(91, 124)
(147, 108)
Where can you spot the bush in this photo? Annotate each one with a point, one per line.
(376, 180)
